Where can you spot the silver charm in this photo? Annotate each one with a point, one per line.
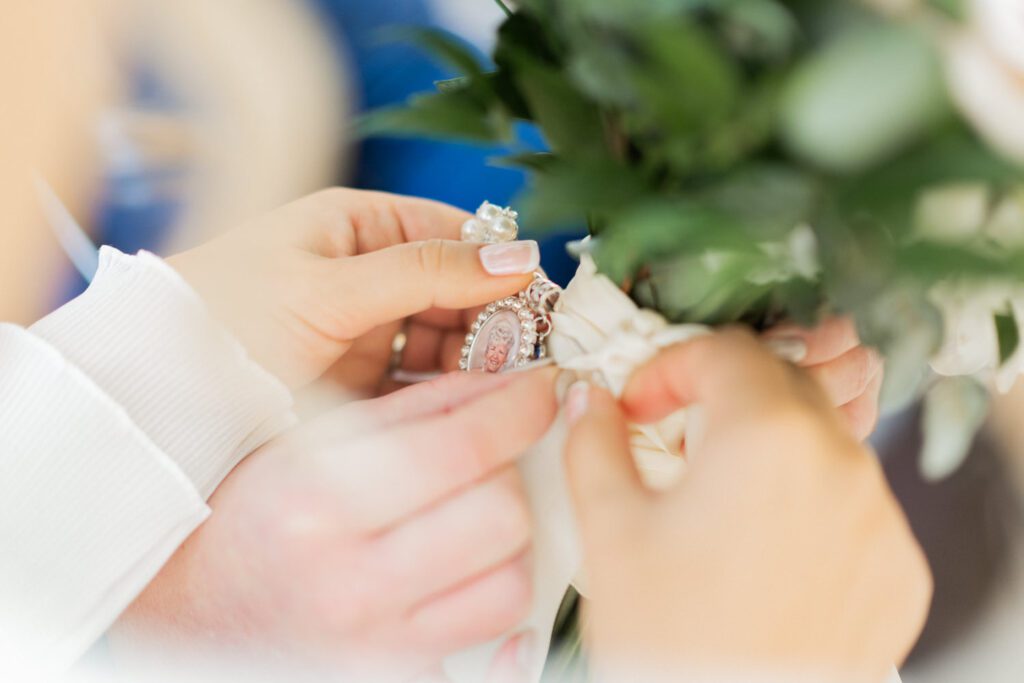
(512, 332)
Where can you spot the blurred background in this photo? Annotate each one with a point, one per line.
(180, 118)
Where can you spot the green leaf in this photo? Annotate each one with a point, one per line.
(771, 198)
(930, 262)
(663, 70)
(673, 93)
(1008, 334)
(567, 194)
(448, 115)
(586, 13)
(521, 36)
(604, 72)
(505, 89)
(864, 97)
(797, 300)
(447, 47)
(759, 29)
(504, 8)
(711, 289)
(890, 193)
(954, 410)
(955, 9)
(571, 123)
(683, 81)
(524, 34)
(532, 161)
(652, 231)
(453, 84)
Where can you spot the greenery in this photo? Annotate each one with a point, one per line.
(702, 141)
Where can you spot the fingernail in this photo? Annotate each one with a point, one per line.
(792, 349)
(576, 401)
(510, 258)
(525, 651)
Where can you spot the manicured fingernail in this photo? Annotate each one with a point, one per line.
(792, 349)
(576, 401)
(525, 651)
(510, 258)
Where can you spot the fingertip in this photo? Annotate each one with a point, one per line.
(709, 369)
(576, 401)
(861, 414)
(585, 400)
(661, 385)
(510, 258)
(598, 457)
(830, 339)
(477, 274)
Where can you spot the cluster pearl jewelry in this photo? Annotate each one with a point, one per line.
(491, 224)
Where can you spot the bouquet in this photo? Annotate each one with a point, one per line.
(755, 161)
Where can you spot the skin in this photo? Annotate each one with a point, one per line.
(324, 284)
(849, 374)
(283, 285)
(295, 288)
(376, 539)
(53, 78)
(806, 570)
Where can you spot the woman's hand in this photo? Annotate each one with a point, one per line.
(781, 555)
(339, 271)
(387, 534)
(849, 374)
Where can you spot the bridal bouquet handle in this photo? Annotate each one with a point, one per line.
(593, 331)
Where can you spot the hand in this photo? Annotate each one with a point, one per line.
(339, 271)
(781, 553)
(849, 374)
(387, 534)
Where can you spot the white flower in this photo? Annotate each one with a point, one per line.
(963, 213)
(958, 213)
(1001, 25)
(952, 213)
(1006, 222)
(985, 71)
(970, 342)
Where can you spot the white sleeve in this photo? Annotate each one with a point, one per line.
(147, 340)
(119, 414)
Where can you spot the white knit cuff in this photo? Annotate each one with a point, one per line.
(148, 341)
(91, 509)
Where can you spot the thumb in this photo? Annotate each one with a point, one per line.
(605, 486)
(405, 279)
